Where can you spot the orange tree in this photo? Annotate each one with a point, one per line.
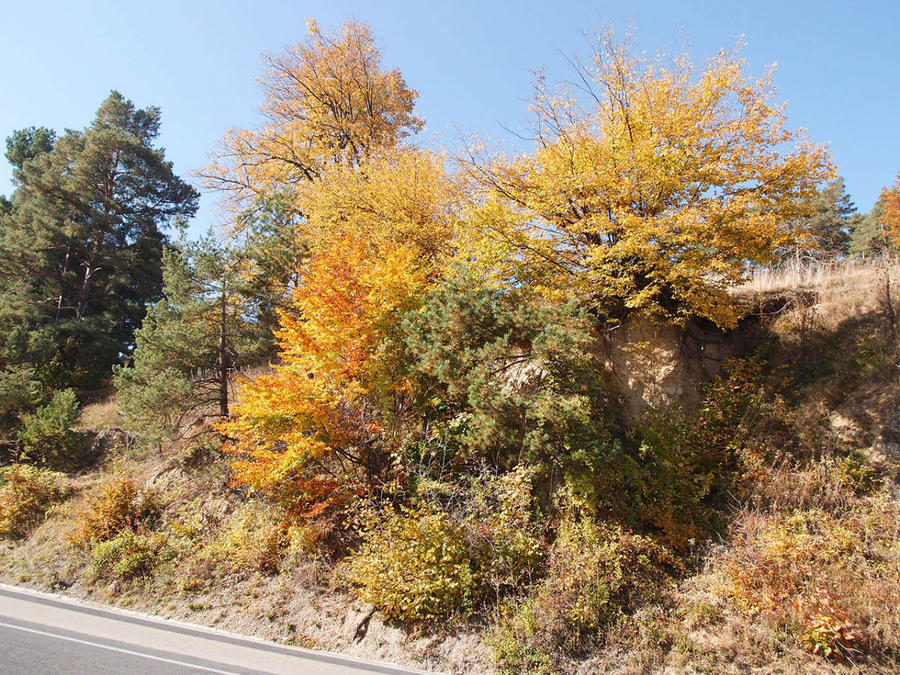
(369, 220)
(890, 206)
(654, 195)
(321, 426)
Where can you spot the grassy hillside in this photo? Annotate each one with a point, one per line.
(757, 527)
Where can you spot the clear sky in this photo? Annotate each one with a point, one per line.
(470, 60)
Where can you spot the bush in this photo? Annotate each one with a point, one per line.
(116, 505)
(462, 545)
(130, 554)
(47, 435)
(830, 581)
(500, 519)
(253, 541)
(596, 573)
(679, 466)
(413, 565)
(26, 494)
(21, 391)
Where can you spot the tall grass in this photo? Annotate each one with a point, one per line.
(855, 273)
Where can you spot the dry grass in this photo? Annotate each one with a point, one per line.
(99, 416)
(852, 275)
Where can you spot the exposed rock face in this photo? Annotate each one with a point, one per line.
(654, 365)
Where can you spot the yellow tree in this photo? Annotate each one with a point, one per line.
(400, 195)
(375, 218)
(652, 196)
(328, 101)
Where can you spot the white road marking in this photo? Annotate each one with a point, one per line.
(116, 649)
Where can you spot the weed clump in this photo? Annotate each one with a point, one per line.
(826, 580)
(252, 540)
(116, 505)
(129, 554)
(26, 494)
(596, 573)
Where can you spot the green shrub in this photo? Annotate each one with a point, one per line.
(26, 494)
(21, 391)
(595, 574)
(413, 565)
(130, 554)
(47, 435)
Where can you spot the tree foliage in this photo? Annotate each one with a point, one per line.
(826, 233)
(317, 427)
(890, 217)
(501, 377)
(653, 195)
(330, 107)
(191, 340)
(80, 246)
(437, 324)
(82, 242)
(328, 100)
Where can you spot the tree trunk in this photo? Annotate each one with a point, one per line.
(223, 357)
(90, 268)
(65, 269)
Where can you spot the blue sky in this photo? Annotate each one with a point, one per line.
(471, 61)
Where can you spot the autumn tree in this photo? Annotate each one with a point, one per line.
(890, 217)
(345, 225)
(654, 194)
(321, 427)
(879, 231)
(329, 103)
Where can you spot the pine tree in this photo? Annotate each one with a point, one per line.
(869, 234)
(191, 341)
(82, 241)
(824, 234)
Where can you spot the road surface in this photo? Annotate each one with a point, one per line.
(42, 633)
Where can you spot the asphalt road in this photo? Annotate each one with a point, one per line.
(47, 634)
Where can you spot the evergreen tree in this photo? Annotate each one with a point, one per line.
(825, 234)
(190, 341)
(26, 144)
(869, 234)
(81, 243)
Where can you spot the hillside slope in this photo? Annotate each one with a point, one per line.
(796, 568)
